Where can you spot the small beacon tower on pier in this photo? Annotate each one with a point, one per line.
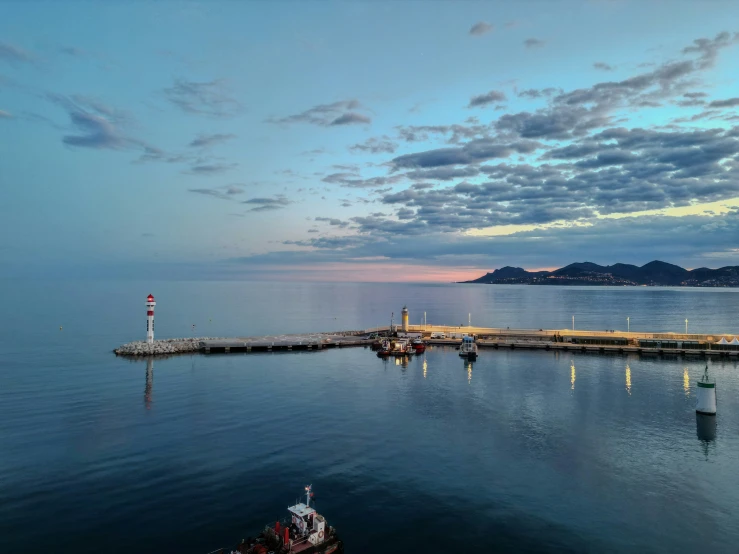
(150, 319)
(404, 320)
(706, 401)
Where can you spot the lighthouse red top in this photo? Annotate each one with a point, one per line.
(150, 298)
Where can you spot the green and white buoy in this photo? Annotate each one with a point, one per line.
(706, 397)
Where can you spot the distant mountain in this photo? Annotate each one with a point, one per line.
(654, 273)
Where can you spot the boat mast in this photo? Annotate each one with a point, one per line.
(307, 495)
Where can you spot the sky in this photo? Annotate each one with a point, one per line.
(366, 141)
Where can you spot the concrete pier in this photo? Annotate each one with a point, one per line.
(687, 345)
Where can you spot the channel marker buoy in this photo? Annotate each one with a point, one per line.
(706, 397)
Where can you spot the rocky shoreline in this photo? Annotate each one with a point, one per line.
(161, 347)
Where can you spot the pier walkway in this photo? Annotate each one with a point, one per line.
(314, 341)
(565, 340)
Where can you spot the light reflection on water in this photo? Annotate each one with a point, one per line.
(572, 374)
(628, 379)
(686, 382)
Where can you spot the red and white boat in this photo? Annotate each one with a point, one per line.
(419, 346)
(304, 532)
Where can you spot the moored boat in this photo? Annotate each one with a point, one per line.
(304, 532)
(396, 347)
(419, 346)
(468, 348)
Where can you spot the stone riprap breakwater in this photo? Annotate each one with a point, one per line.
(167, 347)
(161, 347)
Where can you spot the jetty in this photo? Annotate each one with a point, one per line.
(567, 340)
(269, 343)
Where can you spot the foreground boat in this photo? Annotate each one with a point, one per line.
(305, 532)
(468, 349)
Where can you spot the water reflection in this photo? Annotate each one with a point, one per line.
(628, 379)
(149, 382)
(705, 427)
(706, 430)
(425, 367)
(686, 382)
(469, 373)
(572, 374)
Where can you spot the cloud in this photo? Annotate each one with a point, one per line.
(603, 66)
(690, 99)
(314, 152)
(442, 174)
(326, 115)
(353, 180)
(277, 202)
(5, 115)
(480, 28)
(332, 221)
(97, 125)
(708, 49)
(483, 100)
(73, 51)
(14, 54)
(538, 93)
(405, 213)
(204, 140)
(350, 118)
(705, 241)
(457, 132)
(210, 98)
(533, 43)
(210, 192)
(474, 151)
(376, 145)
(727, 103)
(226, 192)
(616, 171)
(211, 168)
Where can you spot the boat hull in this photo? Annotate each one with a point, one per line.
(269, 543)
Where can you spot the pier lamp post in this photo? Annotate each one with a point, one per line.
(628, 325)
(573, 322)
(686, 325)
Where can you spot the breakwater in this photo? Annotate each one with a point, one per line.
(307, 341)
(162, 347)
(714, 345)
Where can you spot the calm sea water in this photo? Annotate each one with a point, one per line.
(521, 452)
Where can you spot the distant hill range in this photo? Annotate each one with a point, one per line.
(654, 273)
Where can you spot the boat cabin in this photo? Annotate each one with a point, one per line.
(308, 523)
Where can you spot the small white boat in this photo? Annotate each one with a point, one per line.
(468, 349)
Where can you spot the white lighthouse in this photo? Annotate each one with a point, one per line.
(150, 319)
(706, 401)
(404, 320)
